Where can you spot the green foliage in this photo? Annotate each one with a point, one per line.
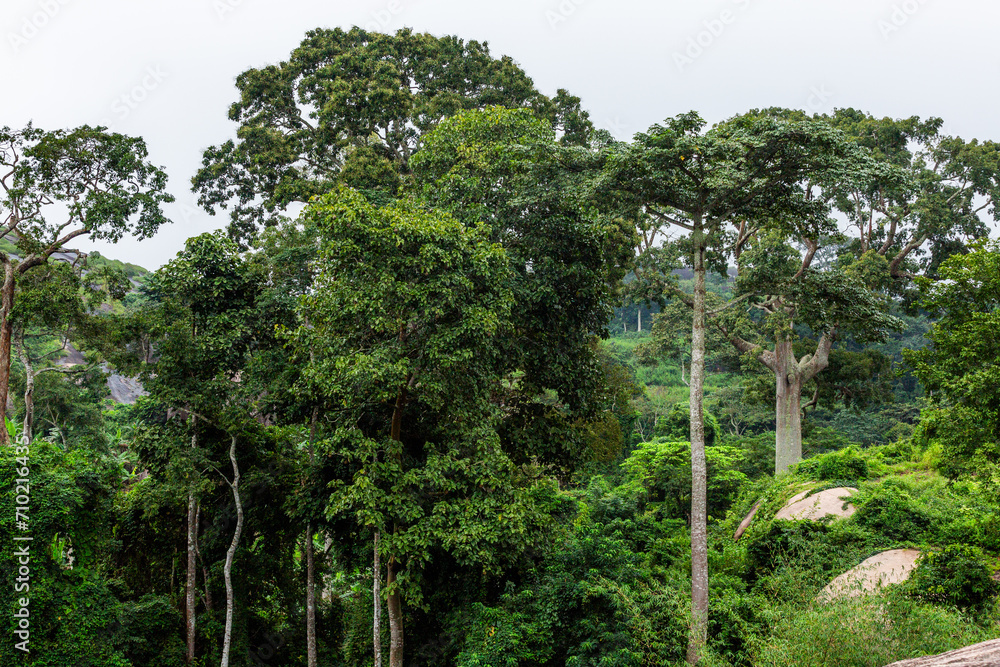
(784, 541)
(676, 424)
(306, 110)
(960, 369)
(846, 464)
(660, 470)
(893, 512)
(956, 576)
(864, 632)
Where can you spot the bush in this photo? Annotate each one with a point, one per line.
(956, 577)
(785, 540)
(676, 425)
(869, 631)
(846, 464)
(894, 514)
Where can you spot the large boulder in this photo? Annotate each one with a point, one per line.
(984, 654)
(883, 569)
(831, 502)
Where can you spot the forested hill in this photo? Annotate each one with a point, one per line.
(504, 391)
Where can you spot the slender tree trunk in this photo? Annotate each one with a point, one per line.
(192, 562)
(6, 334)
(638, 326)
(230, 554)
(29, 393)
(311, 654)
(788, 401)
(393, 599)
(394, 604)
(377, 611)
(204, 568)
(192, 573)
(699, 499)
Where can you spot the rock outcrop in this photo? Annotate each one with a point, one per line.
(831, 502)
(984, 654)
(883, 569)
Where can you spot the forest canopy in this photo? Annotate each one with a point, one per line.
(465, 380)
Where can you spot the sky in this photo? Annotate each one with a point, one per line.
(165, 70)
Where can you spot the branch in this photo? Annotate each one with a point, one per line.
(731, 302)
(669, 219)
(812, 246)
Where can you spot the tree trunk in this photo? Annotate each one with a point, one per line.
(230, 554)
(788, 414)
(699, 499)
(6, 333)
(192, 573)
(394, 603)
(192, 564)
(638, 326)
(377, 611)
(204, 568)
(29, 393)
(311, 655)
(393, 598)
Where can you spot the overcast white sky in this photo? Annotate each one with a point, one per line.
(165, 70)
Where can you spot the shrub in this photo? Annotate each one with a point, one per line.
(894, 514)
(843, 464)
(869, 631)
(956, 577)
(784, 540)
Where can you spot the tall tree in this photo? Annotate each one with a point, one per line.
(928, 199)
(701, 182)
(352, 107)
(506, 170)
(56, 186)
(54, 309)
(202, 322)
(778, 281)
(403, 326)
(960, 369)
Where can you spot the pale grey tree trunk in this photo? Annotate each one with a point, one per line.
(699, 500)
(790, 376)
(6, 333)
(230, 554)
(192, 573)
(192, 562)
(394, 603)
(311, 653)
(788, 402)
(29, 392)
(377, 602)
